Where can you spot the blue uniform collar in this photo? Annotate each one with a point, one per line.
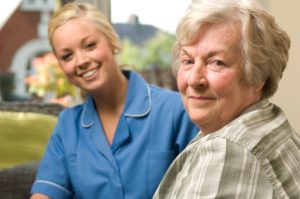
(137, 104)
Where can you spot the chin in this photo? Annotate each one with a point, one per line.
(197, 116)
(196, 119)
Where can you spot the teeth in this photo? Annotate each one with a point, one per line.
(90, 73)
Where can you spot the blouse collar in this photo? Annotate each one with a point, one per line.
(138, 100)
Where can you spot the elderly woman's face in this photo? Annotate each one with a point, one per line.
(210, 78)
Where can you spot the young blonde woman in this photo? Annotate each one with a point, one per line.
(121, 140)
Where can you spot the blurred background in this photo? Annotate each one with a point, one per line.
(29, 71)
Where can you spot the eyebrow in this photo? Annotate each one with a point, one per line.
(185, 52)
(213, 53)
(63, 50)
(209, 54)
(81, 43)
(85, 39)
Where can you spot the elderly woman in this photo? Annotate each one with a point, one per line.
(231, 56)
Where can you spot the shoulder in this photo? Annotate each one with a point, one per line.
(70, 115)
(221, 146)
(222, 154)
(167, 102)
(225, 157)
(165, 91)
(137, 82)
(71, 111)
(66, 133)
(260, 130)
(158, 93)
(218, 167)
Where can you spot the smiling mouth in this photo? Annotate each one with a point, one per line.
(200, 97)
(89, 73)
(200, 100)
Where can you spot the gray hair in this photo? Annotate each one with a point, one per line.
(264, 45)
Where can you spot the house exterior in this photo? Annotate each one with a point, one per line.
(24, 37)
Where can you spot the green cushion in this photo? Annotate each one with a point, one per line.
(23, 137)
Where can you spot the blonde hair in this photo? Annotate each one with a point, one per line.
(75, 10)
(264, 45)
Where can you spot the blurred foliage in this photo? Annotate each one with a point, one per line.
(49, 78)
(154, 52)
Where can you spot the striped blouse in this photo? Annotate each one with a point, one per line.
(255, 156)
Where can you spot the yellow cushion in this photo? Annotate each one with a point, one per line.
(23, 137)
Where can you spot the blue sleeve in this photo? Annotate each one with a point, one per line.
(52, 177)
(186, 129)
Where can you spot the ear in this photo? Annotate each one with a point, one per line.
(259, 88)
(115, 51)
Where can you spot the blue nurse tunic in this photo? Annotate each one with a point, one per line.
(79, 161)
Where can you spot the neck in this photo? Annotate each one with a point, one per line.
(112, 99)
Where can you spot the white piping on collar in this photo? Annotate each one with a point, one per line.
(82, 116)
(149, 108)
(129, 115)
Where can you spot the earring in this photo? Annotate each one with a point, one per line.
(115, 51)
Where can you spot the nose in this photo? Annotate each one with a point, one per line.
(197, 76)
(82, 61)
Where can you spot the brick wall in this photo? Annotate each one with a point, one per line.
(20, 28)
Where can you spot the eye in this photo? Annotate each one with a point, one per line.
(216, 64)
(66, 57)
(187, 61)
(90, 46)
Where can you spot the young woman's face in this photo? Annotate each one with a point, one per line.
(84, 54)
(210, 78)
